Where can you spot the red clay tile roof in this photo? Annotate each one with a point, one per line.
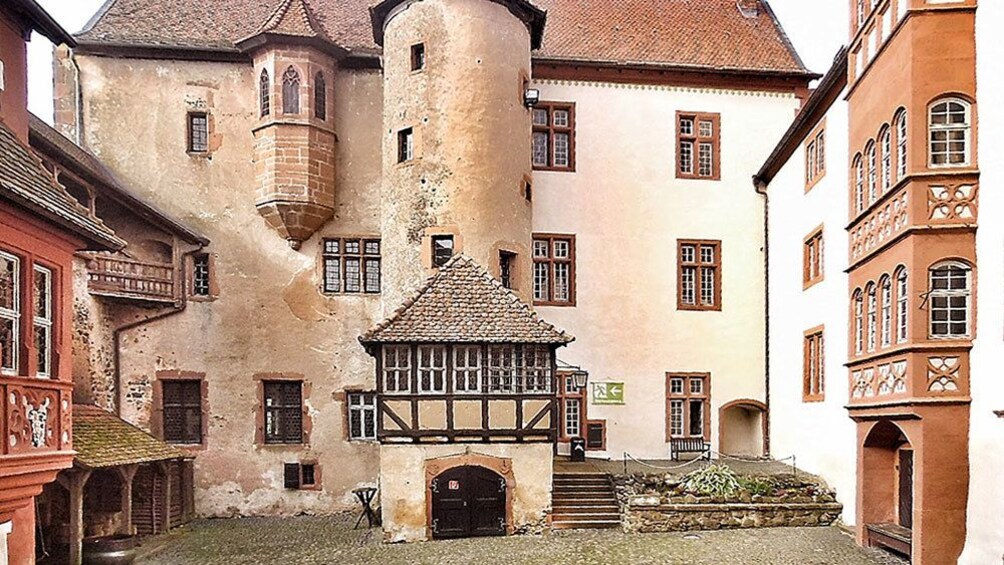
(101, 439)
(55, 146)
(294, 18)
(25, 181)
(463, 303)
(680, 33)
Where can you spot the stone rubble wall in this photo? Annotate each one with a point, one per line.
(642, 516)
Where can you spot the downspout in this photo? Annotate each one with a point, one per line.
(179, 307)
(761, 189)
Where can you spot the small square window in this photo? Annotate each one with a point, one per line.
(676, 386)
(418, 57)
(405, 145)
(307, 475)
(442, 250)
(201, 275)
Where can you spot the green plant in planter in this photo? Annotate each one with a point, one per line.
(713, 480)
(761, 486)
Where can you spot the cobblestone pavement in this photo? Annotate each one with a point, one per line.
(330, 540)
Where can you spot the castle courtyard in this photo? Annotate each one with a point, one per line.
(331, 540)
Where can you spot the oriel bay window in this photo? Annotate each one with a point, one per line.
(351, 266)
(688, 403)
(698, 275)
(28, 304)
(554, 136)
(467, 368)
(283, 411)
(431, 369)
(553, 270)
(698, 146)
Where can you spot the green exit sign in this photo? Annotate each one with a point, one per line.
(608, 393)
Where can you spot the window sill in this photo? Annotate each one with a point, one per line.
(202, 298)
(200, 155)
(373, 441)
(813, 399)
(683, 308)
(681, 176)
(999, 413)
(806, 285)
(554, 169)
(556, 304)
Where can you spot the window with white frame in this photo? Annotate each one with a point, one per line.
(949, 128)
(697, 143)
(10, 313)
(949, 295)
(872, 316)
(859, 331)
(573, 417)
(553, 270)
(467, 369)
(872, 172)
(517, 369)
(885, 140)
(396, 368)
(432, 369)
(362, 416)
(859, 183)
(886, 286)
(902, 306)
(901, 145)
(43, 320)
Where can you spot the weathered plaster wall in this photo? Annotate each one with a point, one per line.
(472, 138)
(14, 95)
(270, 316)
(985, 529)
(797, 427)
(627, 211)
(403, 495)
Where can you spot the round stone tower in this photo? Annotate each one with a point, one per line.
(456, 150)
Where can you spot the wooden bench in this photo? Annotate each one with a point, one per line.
(890, 536)
(678, 445)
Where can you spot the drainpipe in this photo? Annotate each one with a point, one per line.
(761, 189)
(179, 307)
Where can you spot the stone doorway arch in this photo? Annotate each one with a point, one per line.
(485, 483)
(742, 428)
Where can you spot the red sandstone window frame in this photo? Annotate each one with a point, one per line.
(813, 365)
(338, 253)
(176, 400)
(700, 269)
(813, 260)
(549, 262)
(686, 394)
(815, 156)
(550, 131)
(198, 133)
(697, 138)
(568, 392)
(277, 407)
(25, 323)
(320, 97)
(157, 416)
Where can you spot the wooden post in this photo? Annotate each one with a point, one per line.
(75, 480)
(126, 475)
(165, 468)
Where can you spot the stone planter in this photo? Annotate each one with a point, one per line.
(646, 518)
(111, 550)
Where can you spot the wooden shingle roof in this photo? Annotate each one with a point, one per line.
(463, 303)
(101, 439)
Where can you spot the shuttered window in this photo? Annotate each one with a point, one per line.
(182, 411)
(283, 412)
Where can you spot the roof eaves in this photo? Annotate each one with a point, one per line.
(42, 22)
(681, 67)
(815, 107)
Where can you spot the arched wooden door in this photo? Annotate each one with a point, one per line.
(468, 502)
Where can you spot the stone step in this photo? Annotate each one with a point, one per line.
(585, 524)
(586, 509)
(582, 488)
(565, 495)
(582, 517)
(581, 482)
(582, 476)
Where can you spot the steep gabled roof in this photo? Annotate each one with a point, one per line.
(45, 139)
(294, 18)
(101, 440)
(463, 303)
(686, 34)
(24, 181)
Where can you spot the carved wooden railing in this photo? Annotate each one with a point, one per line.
(927, 374)
(128, 278)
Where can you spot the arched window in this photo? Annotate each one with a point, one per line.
(872, 172)
(859, 329)
(320, 97)
(949, 295)
(872, 315)
(291, 91)
(859, 183)
(950, 130)
(264, 87)
(885, 141)
(886, 285)
(901, 145)
(902, 306)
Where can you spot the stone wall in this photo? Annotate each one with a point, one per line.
(642, 516)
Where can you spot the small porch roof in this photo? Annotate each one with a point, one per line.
(103, 440)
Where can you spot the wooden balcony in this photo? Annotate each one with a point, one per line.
(925, 374)
(118, 277)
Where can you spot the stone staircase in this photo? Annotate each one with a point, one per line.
(582, 501)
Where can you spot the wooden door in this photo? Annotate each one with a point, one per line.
(906, 488)
(468, 502)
